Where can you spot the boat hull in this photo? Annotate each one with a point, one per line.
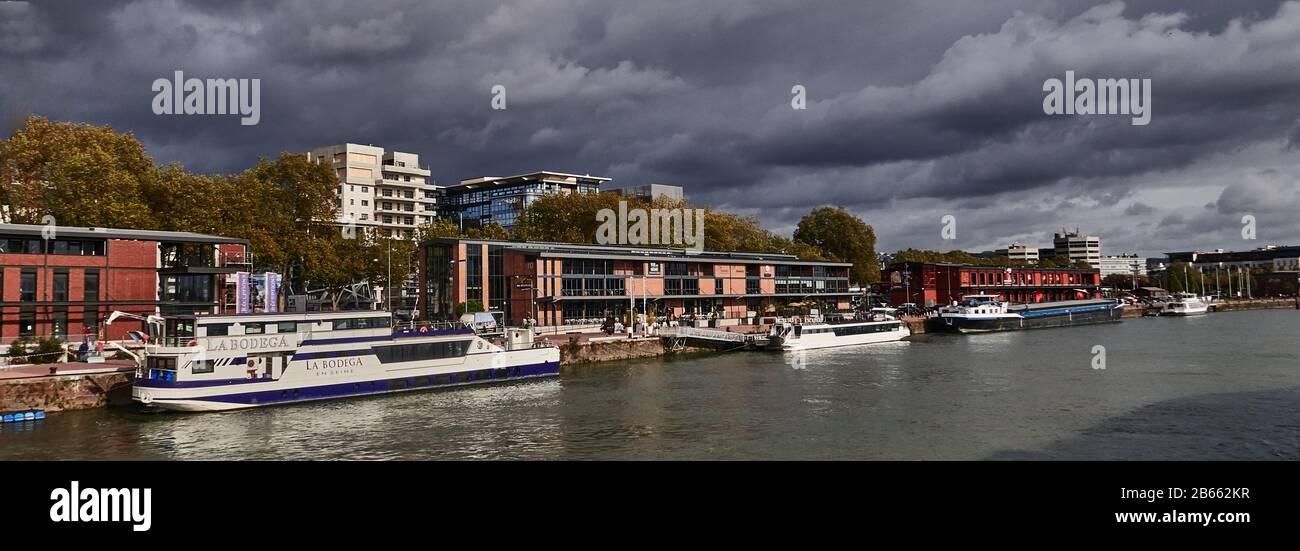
(955, 324)
(830, 341)
(239, 394)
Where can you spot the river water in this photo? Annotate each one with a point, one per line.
(1222, 386)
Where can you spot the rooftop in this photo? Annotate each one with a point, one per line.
(76, 232)
(545, 175)
(624, 252)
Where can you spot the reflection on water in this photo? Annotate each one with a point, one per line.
(1218, 386)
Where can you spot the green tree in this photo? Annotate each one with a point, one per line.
(843, 236)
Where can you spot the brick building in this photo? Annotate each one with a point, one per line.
(557, 283)
(63, 285)
(937, 284)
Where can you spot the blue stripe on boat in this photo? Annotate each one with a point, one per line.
(379, 386)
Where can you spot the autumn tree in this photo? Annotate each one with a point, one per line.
(82, 175)
(844, 237)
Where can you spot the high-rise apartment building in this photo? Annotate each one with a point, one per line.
(387, 191)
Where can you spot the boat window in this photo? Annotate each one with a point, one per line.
(254, 328)
(343, 324)
(421, 351)
(160, 362)
(286, 327)
(217, 329)
(203, 366)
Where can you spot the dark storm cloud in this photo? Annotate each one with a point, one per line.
(916, 109)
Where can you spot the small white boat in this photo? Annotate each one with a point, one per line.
(1185, 304)
(816, 332)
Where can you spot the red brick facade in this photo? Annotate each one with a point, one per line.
(931, 284)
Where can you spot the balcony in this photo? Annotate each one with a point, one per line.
(414, 170)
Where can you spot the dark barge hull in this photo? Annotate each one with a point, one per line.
(1063, 319)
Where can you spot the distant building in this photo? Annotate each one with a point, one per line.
(1017, 252)
(1274, 257)
(647, 192)
(482, 201)
(1126, 264)
(1046, 253)
(1150, 292)
(383, 190)
(1076, 246)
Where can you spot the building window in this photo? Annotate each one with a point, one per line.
(91, 286)
(717, 287)
(27, 286)
(61, 285)
(27, 323)
(90, 321)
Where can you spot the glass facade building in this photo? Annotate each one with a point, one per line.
(483, 201)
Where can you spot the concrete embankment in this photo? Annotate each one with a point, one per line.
(75, 385)
(1256, 304)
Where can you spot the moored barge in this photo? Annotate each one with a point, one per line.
(986, 313)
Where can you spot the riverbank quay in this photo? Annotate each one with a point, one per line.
(1292, 303)
(66, 386)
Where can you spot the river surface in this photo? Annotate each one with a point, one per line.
(1221, 386)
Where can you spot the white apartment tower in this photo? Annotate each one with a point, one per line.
(386, 191)
(1076, 246)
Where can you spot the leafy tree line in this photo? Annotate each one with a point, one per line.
(85, 175)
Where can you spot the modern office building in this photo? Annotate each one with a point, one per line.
(481, 201)
(936, 284)
(558, 284)
(647, 192)
(1126, 264)
(69, 284)
(1017, 252)
(386, 191)
(1076, 246)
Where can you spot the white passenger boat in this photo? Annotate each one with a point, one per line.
(816, 332)
(1185, 304)
(219, 362)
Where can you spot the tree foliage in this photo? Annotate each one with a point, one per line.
(571, 218)
(844, 237)
(80, 174)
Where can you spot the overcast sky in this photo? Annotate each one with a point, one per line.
(915, 108)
